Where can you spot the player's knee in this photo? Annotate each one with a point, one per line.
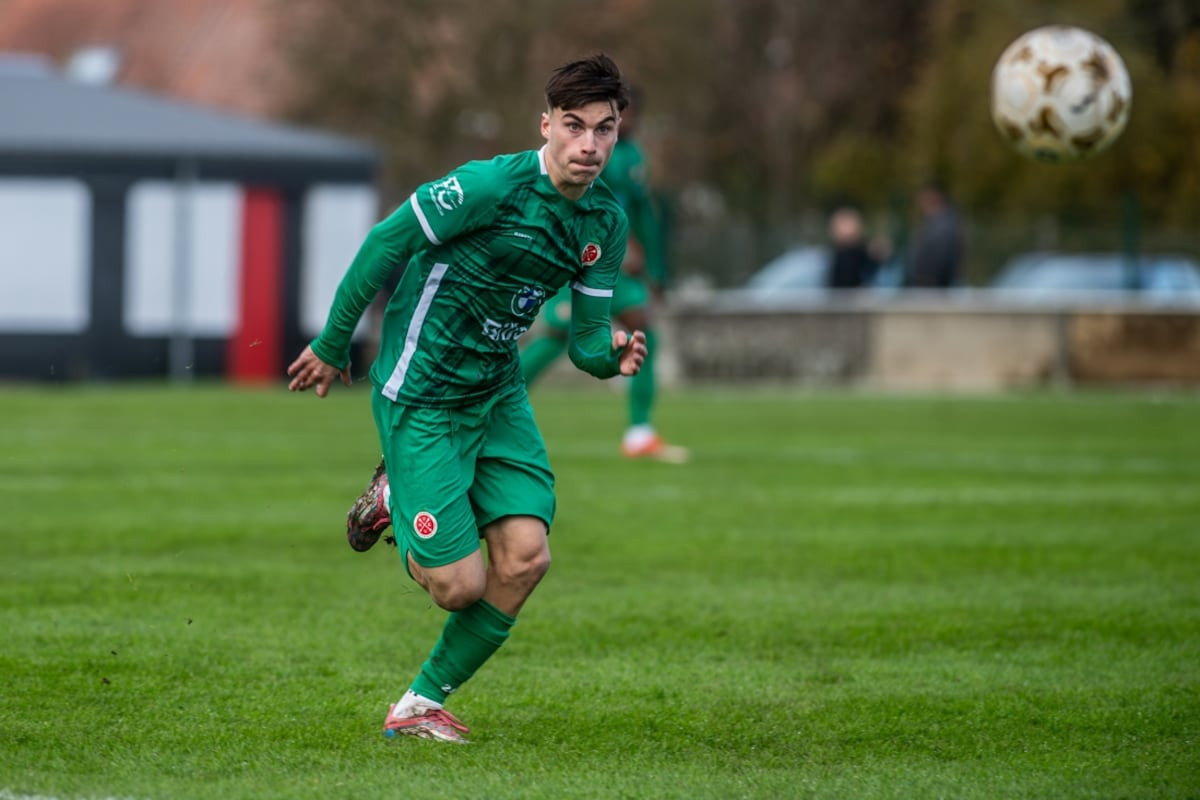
(523, 567)
(457, 594)
(524, 572)
(536, 566)
(455, 598)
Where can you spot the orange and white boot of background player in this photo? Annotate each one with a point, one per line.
(641, 441)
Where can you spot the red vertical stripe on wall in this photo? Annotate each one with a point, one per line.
(255, 350)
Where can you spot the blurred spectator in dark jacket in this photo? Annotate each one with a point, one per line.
(853, 264)
(937, 249)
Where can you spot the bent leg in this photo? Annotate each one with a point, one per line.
(518, 555)
(513, 501)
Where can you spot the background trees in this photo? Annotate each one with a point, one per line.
(761, 115)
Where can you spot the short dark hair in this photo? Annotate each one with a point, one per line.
(587, 80)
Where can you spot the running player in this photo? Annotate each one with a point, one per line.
(642, 277)
(485, 246)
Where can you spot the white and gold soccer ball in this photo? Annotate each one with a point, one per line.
(1060, 94)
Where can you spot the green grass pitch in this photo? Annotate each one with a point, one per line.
(844, 595)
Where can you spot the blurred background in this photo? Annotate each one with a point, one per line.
(760, 120)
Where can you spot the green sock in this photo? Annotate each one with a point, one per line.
(641, 386)
(539, 354)
(468, 640)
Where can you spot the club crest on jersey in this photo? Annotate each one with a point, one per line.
(446, 194)
(590, 255)
(528, 300)
(425, 525)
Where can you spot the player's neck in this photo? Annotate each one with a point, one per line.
(571, 191)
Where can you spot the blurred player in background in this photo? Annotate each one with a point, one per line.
(642, 279)
(484, 246)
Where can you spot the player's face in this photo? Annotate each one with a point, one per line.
(578, 144)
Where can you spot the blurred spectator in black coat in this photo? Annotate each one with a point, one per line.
(853, 265)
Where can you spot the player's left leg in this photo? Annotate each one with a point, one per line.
(512, 500)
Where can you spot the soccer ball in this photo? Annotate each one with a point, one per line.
(1060, 94)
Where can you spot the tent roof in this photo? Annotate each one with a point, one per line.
(46, 115)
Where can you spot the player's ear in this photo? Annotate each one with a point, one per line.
(545, 125)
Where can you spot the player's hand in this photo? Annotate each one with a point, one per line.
(633, 351)
(308, 371)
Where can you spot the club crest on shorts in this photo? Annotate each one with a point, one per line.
(425, 525)
(528, 300)
(590, 254)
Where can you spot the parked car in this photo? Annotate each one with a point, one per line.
(798, 272)
(799, 268)
(1050, 275)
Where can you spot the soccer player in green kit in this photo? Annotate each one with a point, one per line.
(643, 273)
(485, 246)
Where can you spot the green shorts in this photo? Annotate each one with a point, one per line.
(630, 292)
(454, 470)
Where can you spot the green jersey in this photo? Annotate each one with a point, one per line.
(488, 243)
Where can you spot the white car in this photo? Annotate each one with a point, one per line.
(1050, 275)
(798, 275)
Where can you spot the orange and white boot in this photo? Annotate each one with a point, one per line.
(641, 441)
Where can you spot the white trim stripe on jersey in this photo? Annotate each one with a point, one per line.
(542, 160)
(416, 207)
(392, 388)
(589, 291)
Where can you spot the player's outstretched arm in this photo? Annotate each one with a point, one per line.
(309, 371)
(633, 351)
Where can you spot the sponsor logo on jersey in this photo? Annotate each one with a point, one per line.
(590, 255)
(528, 300)
(425, 525)
(503, 331)
(446, 194)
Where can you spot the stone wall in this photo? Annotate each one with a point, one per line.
(932, 344)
